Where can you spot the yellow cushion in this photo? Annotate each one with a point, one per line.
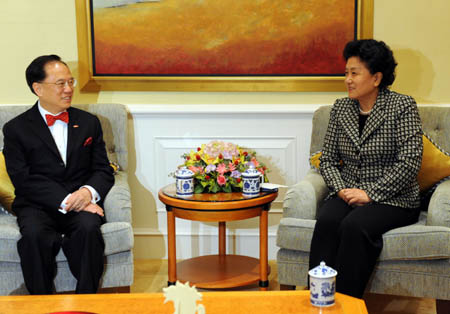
(435, 164)
(314, 160)
(6, 187)
(115, 166)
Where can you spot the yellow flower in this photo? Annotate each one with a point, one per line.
(206, 158)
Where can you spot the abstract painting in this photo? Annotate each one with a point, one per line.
(220, 38)
(226, 37)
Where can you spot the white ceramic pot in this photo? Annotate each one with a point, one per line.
(251, 182)
(322, 285)
(184, 182)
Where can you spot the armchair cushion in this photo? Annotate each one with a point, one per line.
(295, 234)
(117, 203)
(118, 238)
(439, 207)
(435, 164)
(6, 187)
(414, 242)
(9, 236)
(303, 199)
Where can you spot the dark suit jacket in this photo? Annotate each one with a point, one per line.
(38, 173)
(385, 160)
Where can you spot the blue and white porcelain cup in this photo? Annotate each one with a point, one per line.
(184, 182)
(251, 182)
(322, 285)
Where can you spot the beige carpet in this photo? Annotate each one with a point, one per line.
(151, 276)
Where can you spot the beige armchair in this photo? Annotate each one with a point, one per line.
(415, 260)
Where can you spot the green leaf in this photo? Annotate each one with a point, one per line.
(227, 188)
(198, 189)
(204, 183)
(214, 188)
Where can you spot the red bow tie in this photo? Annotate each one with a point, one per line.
(63, 116)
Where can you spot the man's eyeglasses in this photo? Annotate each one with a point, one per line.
(61, 84)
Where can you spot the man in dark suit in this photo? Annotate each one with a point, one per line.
(56, 158)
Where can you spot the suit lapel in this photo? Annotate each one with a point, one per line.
(350, 122)
(376, 117)
(41, 130)
(73, 132)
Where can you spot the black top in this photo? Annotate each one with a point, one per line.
(362, 122)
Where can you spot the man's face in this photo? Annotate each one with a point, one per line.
(55, 92)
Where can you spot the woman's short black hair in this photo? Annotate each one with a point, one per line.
(35, 72)
(377, 56)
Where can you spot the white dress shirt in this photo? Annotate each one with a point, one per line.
(59, 133)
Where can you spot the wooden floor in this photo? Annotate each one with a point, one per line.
(151, 276)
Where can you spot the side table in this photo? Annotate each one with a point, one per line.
(222, 270)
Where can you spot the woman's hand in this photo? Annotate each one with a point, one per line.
(354, 197)
(341, 194)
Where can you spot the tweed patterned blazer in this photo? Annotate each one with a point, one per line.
(385, 159)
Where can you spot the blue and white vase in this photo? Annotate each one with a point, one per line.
(184, 182)
(322, 285)
(251, 181)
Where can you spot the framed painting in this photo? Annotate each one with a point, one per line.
(210, 45)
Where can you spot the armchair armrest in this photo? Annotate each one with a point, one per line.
(303, 199)
(118, 201)
(439, 207)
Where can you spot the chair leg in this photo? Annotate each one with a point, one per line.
(442, 306)
(287, 287)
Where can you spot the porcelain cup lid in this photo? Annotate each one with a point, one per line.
(183, 173)
(322, 271)
(251, 172)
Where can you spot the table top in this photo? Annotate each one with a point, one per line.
(171, 191)
(214, 302)
(214, 201)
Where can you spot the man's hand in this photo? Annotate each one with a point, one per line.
(95, 209)
(78, 200)
(354, 197)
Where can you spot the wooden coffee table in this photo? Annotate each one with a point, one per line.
(268, 302)
(221, 270)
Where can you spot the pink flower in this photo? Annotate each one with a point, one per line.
(221, 168)
(231, 167)
(195, 169)
(221, 180)
(255, 162)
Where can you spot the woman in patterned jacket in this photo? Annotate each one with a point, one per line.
(371, 156)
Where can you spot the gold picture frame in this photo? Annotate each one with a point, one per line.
(91, 83)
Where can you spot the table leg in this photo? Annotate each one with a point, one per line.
(263, 247)
(222, 238)
(171, 248)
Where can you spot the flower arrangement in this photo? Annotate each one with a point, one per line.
(218, 166)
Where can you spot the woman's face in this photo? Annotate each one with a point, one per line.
(361, 84)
